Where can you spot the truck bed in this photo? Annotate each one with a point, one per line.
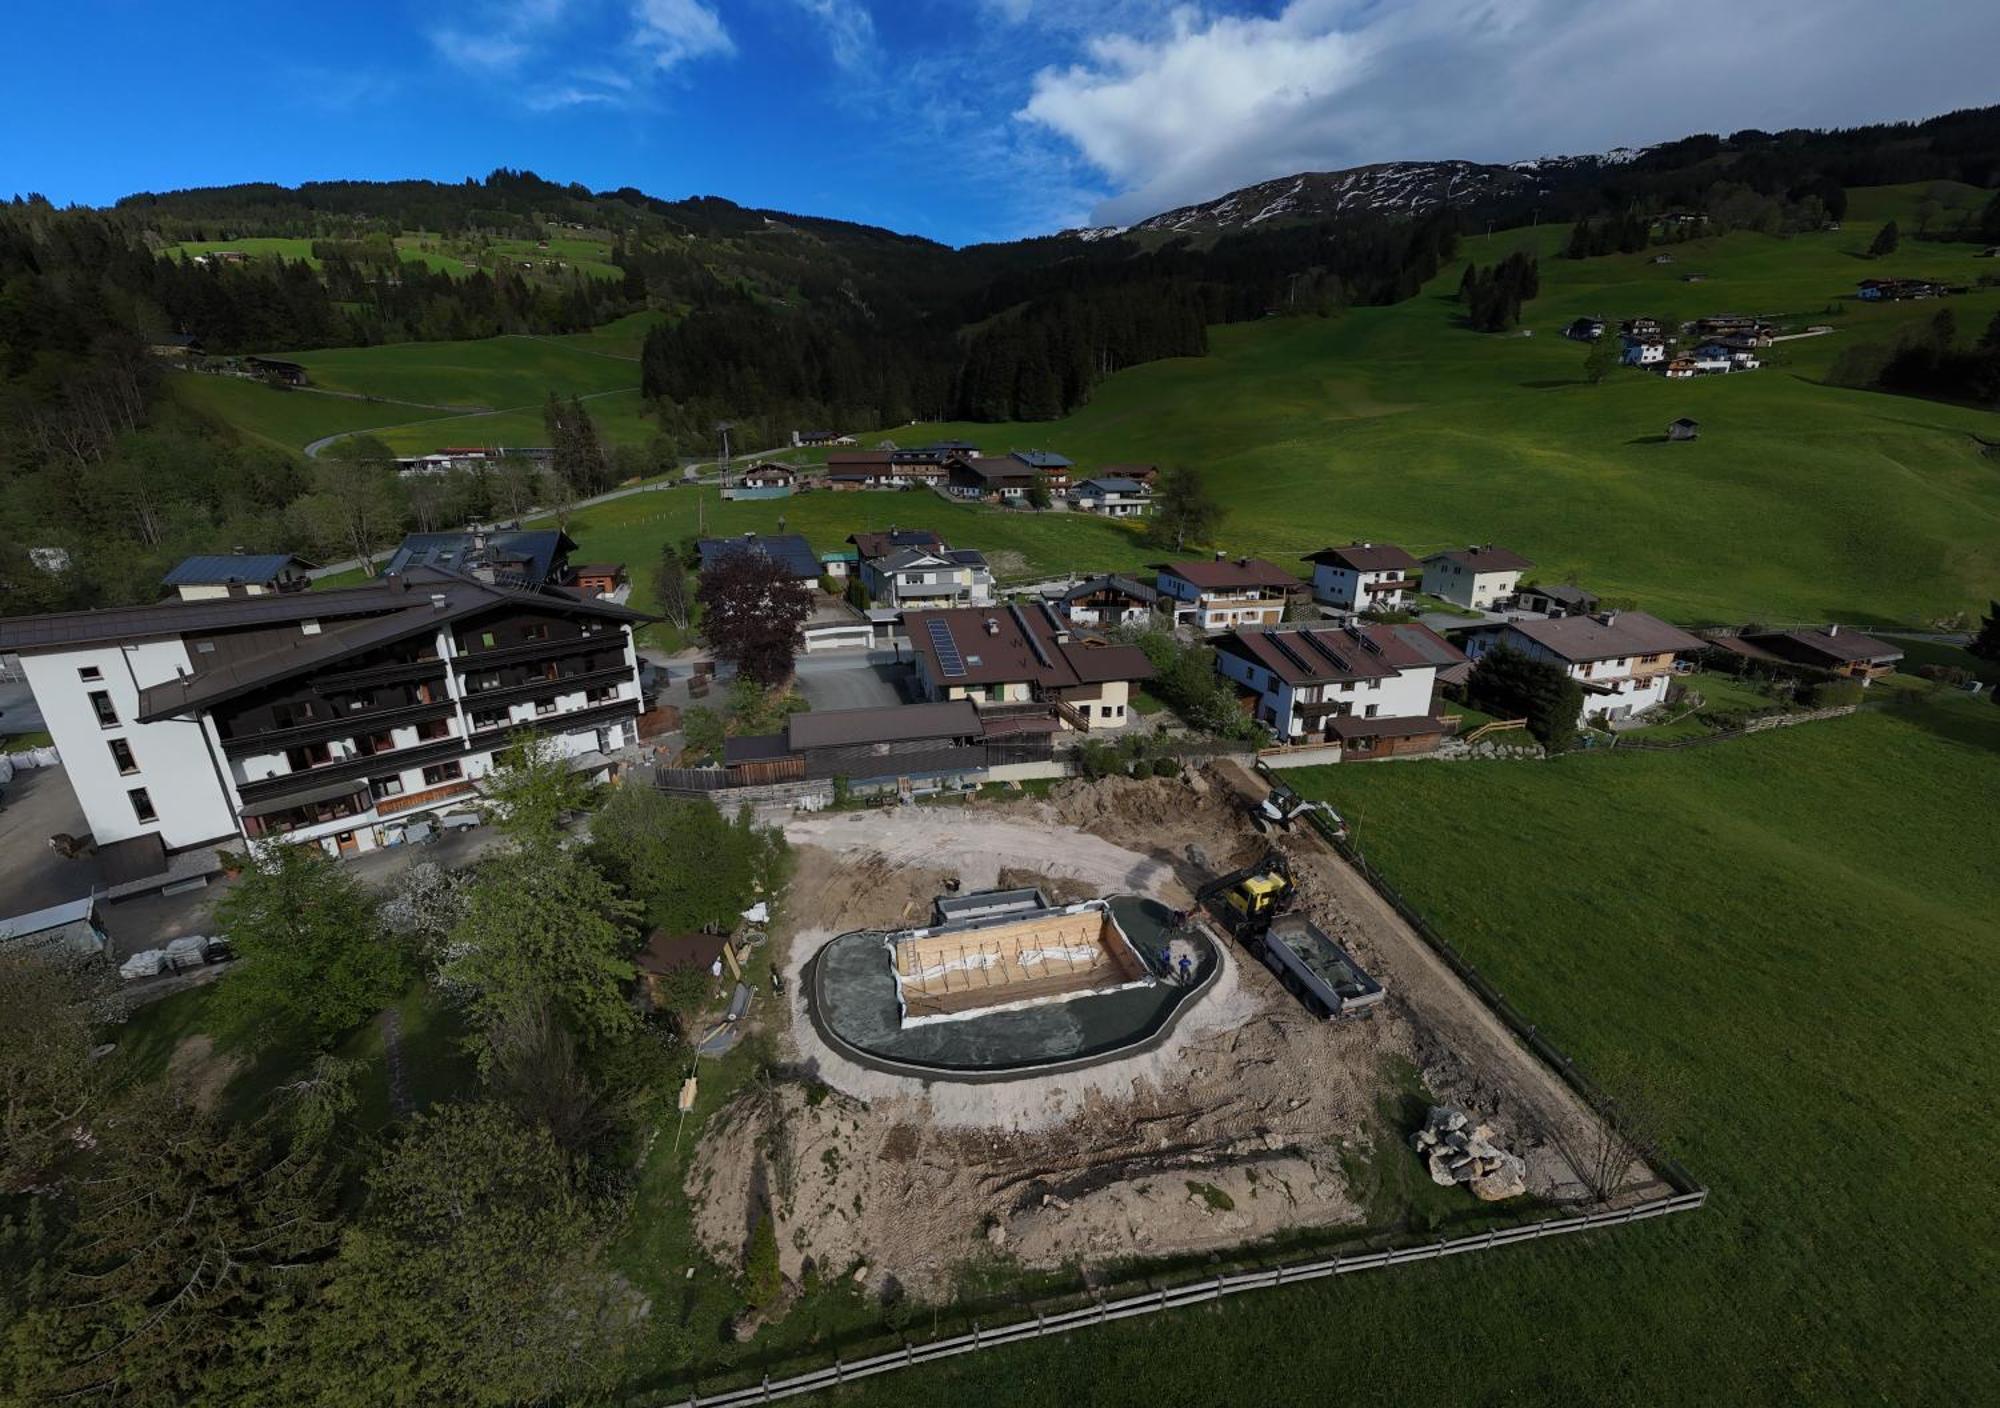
(1326, 969)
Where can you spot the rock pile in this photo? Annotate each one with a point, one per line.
(1461, 1152)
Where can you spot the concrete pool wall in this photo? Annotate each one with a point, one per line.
(852, 1000)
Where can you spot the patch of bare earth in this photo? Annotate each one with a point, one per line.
(1231, 1131)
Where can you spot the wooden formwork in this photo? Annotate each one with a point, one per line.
(951, 972)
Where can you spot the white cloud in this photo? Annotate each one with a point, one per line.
(1199, 103)
(849, 27)
(670, 32)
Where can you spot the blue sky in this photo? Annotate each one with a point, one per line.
(958, 119)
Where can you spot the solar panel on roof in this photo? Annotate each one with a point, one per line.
(949, 659)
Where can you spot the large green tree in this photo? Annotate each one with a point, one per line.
(533, 787)
(1601, 359)
(196, 1243)
(1885, 241)
(475, 1275)
(313, 957)
(49, 1085)
(543, 927)
(678, 857)
(1513, 685)
(1986, 644)
(1184, 511)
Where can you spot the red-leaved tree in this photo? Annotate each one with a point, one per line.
(752, 613)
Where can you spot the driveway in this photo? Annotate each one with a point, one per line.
(852, 679)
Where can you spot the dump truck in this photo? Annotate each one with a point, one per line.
(1315, 969)
(1246, 901)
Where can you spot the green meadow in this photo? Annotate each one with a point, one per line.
(1796, 929)
(1799, 501)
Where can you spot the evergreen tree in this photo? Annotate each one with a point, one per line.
(1512, 685)
(1986, 644)
(1885, 242)
(1602, 357)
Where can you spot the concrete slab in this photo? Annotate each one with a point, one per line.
(854, 679)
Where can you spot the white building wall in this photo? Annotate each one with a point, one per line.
(175, 765)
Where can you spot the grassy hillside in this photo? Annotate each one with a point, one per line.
(1799, 501)
(1821, 984)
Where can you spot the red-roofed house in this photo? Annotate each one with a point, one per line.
(1624, 659)
(1226, 592)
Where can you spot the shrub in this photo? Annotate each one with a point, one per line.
(763, 1280)
(1834, 694)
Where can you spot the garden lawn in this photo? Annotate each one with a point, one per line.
(1800, 926)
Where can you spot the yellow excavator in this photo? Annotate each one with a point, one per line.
(1246, 901)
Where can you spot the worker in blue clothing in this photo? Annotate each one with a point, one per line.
(1187, 969)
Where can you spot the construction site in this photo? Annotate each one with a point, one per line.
(1135, 1019)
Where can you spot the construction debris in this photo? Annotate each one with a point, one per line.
(1461, 1152)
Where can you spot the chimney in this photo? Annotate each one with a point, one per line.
(1607, 618)
(1367, 545)
(437, 601)
(1221, 556)
(1833, 628)
(1242, 562)
(992, 627)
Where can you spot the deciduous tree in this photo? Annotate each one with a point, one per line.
(475, 1275)
(313, 960)
(1184, 511)
(754, 613)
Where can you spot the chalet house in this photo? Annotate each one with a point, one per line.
(333, 717)
(1559, 600)
(210, 575)
(1642, 327)
(1112, 497)
(1480, 578)
(805, 438)
(1683, 429)
(599, 579)
(1221, 593)
(1680, 369)
(770, 476)
(1147, 474)
(789, 550)
(1624, 659)
(276, 371)
(997, 477)
(511, 558)
(1834, 648)
(882, 469)
(1368, 686)
(1108, 601)
(943, 449)
(1585, 329)
(1643, 351)
(1362, 576)
(1729, 356)
(1004, 657)
(1053, 468)
(918, 579)
(1898, 290)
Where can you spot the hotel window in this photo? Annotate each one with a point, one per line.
(603, 694)
(100, 703)
(441, 772)
(544, 707)
(386, 787)
(539, 631)
(291, 715)
(486, 639)
(142, 805)
(489, 718)
(90, 673)
(432, 729)
(121, 755)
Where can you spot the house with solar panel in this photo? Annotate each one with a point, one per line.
(1024, 668)
(209, 575)
(339, 718)
(1370, 687)
(789, 550)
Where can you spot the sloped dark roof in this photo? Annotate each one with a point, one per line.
(895, 723)
(231, 568)
(1113, 582)
(1315, 655)
(1232, 574)
(530, 555)
(789, 550)
(1112, 484)
(1021, 647)
(173, 618)
(1041, 459)
(1484, 559)
(1611, 636)
(1842, 646)
(1364, 557)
